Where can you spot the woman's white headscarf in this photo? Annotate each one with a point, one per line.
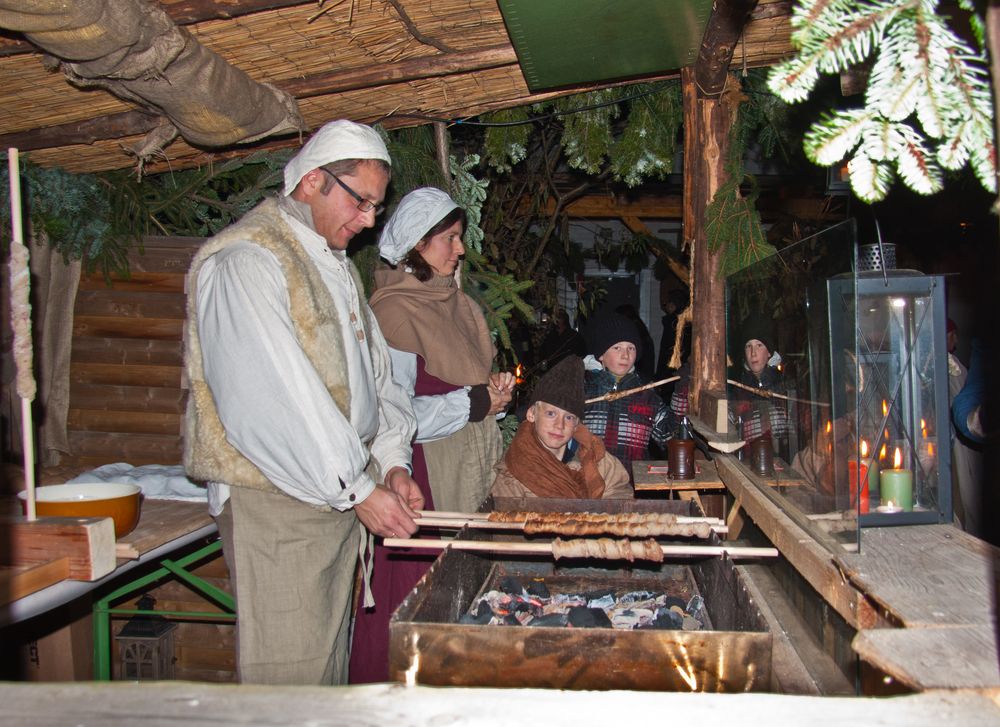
(414, 217)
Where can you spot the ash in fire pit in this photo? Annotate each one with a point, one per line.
(536, 604)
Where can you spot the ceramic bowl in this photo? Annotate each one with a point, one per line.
(100, 499)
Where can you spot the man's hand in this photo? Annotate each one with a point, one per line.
(398, 480)
(385, 513)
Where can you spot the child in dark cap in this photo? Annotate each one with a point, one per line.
(553, 454)
(625, 425)
(760, 415)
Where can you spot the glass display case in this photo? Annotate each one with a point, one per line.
(888, 348)
(855, 369)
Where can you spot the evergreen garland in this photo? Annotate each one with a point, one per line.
(587, 136)
(72, 209)
(648, 144)
(928, 104)
(506, 141)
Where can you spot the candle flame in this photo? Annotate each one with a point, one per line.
(923, 428)
(881, 454)
(829, 426)
(897, 459)
(518, 374)
(885, 407)
(864, 448)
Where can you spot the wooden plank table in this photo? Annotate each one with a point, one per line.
(164, 527)
(161, 521)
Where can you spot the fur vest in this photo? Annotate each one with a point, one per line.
(208, 456)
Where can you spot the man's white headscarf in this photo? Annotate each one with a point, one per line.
(334, 141)
(416, 214)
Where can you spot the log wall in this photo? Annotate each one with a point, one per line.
(126, 394)
(127, 400)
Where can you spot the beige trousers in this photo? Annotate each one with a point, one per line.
(292, 570)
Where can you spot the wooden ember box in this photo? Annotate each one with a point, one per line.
(732, 653)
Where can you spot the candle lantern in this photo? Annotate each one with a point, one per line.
(887, 346)
(146, 645)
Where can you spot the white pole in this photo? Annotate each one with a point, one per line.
(20, 314)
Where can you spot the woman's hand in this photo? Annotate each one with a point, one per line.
(501, 388)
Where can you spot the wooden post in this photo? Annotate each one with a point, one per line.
(706, 138)
(443, 153)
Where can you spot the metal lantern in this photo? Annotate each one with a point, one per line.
(146, 646)
(891, 455)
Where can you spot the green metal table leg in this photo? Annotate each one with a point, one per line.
(102, 609)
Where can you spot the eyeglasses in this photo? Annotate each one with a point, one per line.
(363, 204)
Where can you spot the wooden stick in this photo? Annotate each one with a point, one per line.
(772, 395)
(454, 515)
(545, 548)
(615, 395)
(20, 314)
(494, 525)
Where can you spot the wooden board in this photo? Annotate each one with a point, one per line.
(88, 544)
(160, 522)
(706, 477)
(926, 575)
(175, 703)
(18, 581)
(934, 658)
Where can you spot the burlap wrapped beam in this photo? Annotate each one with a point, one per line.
(134, 50)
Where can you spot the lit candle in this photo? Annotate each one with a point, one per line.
(897, 484)
(865, 472)
(889, 508)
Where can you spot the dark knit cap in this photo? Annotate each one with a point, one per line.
(562, 386)
(604, 331)
(761, 331)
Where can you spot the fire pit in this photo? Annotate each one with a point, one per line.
(435, 640)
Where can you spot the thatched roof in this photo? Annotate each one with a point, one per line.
(399, 61)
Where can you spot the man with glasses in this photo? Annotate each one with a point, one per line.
(293, 419)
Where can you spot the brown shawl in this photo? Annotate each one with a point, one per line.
(539, 470)
(436, 321)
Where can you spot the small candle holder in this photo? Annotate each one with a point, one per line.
(888, 509)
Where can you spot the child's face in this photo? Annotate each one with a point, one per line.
(757, 355)
(619, 358)
(554, 427)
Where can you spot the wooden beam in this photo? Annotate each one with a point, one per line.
(598, 206)
(414, 69)
(639, 227)
(114, 126)
(130, 123)
(706, 137)
(88, 544)
(725, 26)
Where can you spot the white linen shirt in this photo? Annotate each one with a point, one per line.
(275, 408)
(438, 415)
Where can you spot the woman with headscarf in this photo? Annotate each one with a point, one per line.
(442, 354)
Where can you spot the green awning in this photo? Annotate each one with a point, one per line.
(564, 42)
